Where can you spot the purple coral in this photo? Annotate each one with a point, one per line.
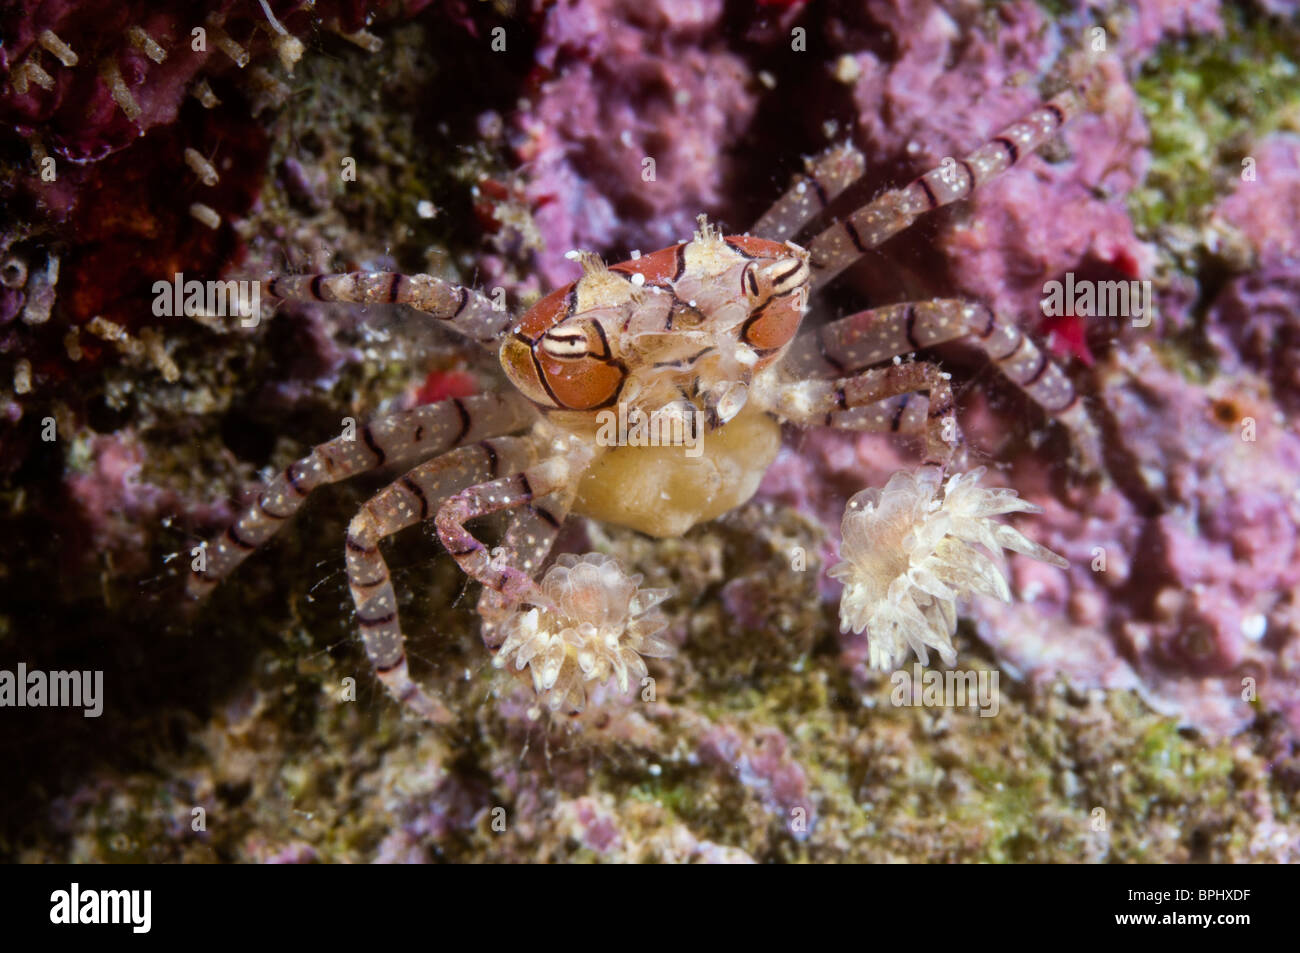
(1255, 322)
(620, 83)
(1184, 586)
(763, 763)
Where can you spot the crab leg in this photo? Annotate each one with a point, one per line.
(404, 503)
(839, 403)
(529, 537)
(555, 475)
(842, 243)
(533, 528)
(870, 337)
(398, 438)
(463, 310)
(826, 175)
(906, 413)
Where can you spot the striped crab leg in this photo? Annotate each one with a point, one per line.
(397, 438)
(840, 402)
(463, 310)
(556, 476)
(825, 176)
(844, 242)
(528, 539)
(907, 413)
(870, 337)
(409, 500)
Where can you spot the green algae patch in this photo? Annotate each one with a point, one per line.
(1206, 99)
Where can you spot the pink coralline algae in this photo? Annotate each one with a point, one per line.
(111, 508)
(1153, 21)
(942, 90)
(763, 764)
(1193, 603)
(1255, 322)
(434, 806)
(595, 824)
(621, 142)
(1185, 588)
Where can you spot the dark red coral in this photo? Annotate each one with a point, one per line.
(101, 182)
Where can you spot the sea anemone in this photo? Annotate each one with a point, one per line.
(909, 555)
(599, 625)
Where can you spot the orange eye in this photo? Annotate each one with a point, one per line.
(774, 326)
(584, 384)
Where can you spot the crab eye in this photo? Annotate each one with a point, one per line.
(582, 384)
(567, 345)
(574, 342)
(777, 278)
(786, 275)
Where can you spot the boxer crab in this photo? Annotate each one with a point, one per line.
(700, 338)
